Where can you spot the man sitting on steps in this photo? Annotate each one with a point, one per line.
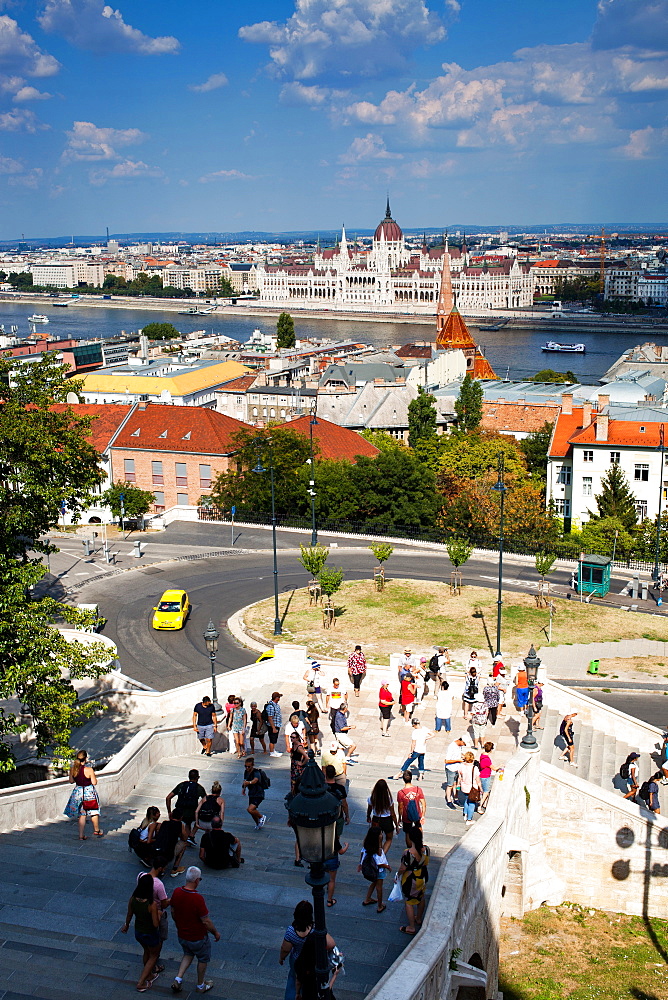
(219, 849)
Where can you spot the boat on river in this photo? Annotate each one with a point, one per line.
(38, 318)
(552, 345)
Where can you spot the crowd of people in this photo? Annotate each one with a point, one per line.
(194, 816)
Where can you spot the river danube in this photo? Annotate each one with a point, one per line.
(513, 353)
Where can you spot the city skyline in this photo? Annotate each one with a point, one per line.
(304, 115)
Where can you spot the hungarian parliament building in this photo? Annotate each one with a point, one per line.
(390, 278)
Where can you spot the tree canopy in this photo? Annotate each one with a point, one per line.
(421, 417)
(616, 499)
(136, 502)
(285, 331)
(468, 405)
(160, 331)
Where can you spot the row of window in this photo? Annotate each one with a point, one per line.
(640, 469)
(181, 500)
(563, 506)
(158, 476)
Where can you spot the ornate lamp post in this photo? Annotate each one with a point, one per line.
(313, 812)
(314, 531)
(531, 665)
(259, 468)
(501, 489)
(211, 636)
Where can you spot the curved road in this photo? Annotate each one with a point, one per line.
(219, 585)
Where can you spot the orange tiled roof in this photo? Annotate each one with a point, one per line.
(623, 432)
(333, 441)
(180, 429)
(565, 427)
(108, 417)
(238, 384)
(546, 263)
(455, 334)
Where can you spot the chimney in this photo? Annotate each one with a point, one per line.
(602, 427)
(567, 403)
(586, 414)
(603, 401)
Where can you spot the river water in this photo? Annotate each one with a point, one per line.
(513, 353)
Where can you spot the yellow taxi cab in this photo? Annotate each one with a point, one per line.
(172, 610)
(267, 655)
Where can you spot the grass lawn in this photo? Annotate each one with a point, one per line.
(570, 952)
(420, 614)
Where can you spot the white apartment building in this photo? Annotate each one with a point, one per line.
(200, 279)
(587, 441)
(68, 274)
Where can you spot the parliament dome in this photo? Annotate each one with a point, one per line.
(388, 228)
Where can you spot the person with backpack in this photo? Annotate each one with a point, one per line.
(414, 875)
(255, 781)
(188, 794)
(469, 784)
(141, 840)
(219, 849)
(171, 841)
(649, 793)
(664, 759)
(143, 906)
(210, 806)
(258, 728)
(630, 771)
(470, 691)
(374, 867)
(271, 713)
(411, 805)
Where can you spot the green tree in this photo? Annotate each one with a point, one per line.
(313, 558)
(544, 562)
(224, 287)
(382, 551)
(46, 460)
(285, 331)
(421, 417)
(534, 447)
(136, 502)
(160, 331)
(394, 489)
(330, 580)
(616, 499)
(468, 405)
(383, 440)
(472, 456)
(606, 535)
(459, 551)
(549, 375)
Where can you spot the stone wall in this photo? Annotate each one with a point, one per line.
(602, 717)
(610, 854)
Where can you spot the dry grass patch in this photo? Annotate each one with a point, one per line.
(647, 666)
(576, 953)
(421, 614)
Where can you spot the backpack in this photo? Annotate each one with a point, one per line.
(370, 869)
(134, 840)
(644, 792)
(209, 809)
(189, 797)
(624, 770)
(433, 664)
(265, 781)
(412, 813)
(265, 717)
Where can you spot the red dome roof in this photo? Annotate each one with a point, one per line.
(388, 227)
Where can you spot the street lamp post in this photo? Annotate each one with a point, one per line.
(211, 636)
(501, 488)
(313, 813)
(314, 531)
(657, 546)
(531, 665)
(259, 468)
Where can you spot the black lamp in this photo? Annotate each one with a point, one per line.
(211, 636)
(313, 814)
(531, 665)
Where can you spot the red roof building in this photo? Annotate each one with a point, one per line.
(333, 441)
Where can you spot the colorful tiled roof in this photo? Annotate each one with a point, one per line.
(334, 442)
(178, 384)
(107, 418)
(191, 429)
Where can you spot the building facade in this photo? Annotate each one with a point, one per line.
(390, 278)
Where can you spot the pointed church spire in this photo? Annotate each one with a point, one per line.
(388, 213)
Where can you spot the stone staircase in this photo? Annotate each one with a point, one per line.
(598, 755)
(62, 901)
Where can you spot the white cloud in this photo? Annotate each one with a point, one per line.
(19, 120)
(86, 141)
(366, 148)
(346, 38)
(94, 25)
(215, 81)
(9, 166)
(19, 52)
(225, 175)
(30, 94)
(644, 143)
(299, 93)
(123, 171)
(31, 179)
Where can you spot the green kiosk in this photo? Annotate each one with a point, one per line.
(594, 575)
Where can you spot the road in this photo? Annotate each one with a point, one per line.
(219, 585)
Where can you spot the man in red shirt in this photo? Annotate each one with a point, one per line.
(193, 926)
(411, 805)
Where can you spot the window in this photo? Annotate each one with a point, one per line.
(159, 500)
(562, 506)
(182, 500)
(586, 486)
(181, 474)
(564, 474)
(156, 473)
(615, 457)
(641, 473)
(205, 477)
(129, 470)
(641, 509)
(587, 456)
(239, 400)
(665, 490)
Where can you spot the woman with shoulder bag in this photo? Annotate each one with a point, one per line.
(84, 801)
(414, 875)
(470, 785)
(312, 723)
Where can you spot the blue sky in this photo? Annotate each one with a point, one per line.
(302, 114)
